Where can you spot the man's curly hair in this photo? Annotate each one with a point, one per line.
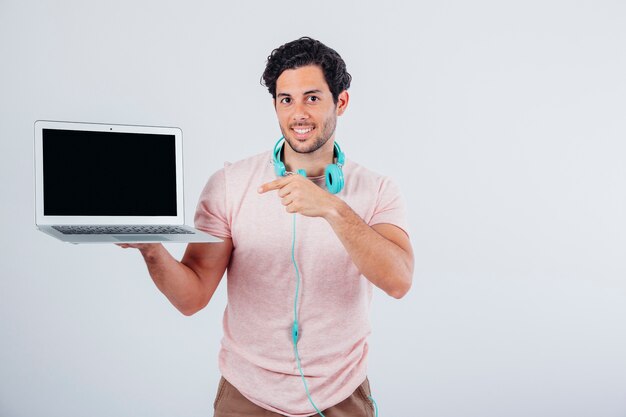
(302, 52)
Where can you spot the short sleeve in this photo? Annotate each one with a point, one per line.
(211, 215)
(390, 206)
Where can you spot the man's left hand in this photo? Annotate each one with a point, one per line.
(300, 195)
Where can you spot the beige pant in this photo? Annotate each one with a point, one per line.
(230, 403)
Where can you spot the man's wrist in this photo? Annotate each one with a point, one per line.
(336, 211)
(150, 251)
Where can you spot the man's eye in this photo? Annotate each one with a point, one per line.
(313, 98)
(285, 100)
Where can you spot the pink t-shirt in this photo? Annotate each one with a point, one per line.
(257, 354)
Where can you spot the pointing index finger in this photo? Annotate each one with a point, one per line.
(272, 185)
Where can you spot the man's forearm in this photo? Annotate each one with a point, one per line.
(179, 283)
(380, 260)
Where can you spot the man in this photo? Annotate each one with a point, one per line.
(294, 249)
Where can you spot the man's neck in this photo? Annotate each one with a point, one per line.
(313, 163)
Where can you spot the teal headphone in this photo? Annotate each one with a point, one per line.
(333, 172)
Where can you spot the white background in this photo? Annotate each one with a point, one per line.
(504, 125)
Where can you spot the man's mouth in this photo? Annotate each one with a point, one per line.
(302, 131)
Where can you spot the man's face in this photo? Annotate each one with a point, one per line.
(305, 108)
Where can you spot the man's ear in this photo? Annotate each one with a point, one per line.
(342, 102)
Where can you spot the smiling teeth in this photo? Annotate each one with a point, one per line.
(303, 131)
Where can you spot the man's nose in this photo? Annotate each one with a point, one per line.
(300, 113)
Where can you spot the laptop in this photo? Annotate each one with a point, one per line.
(110, 183)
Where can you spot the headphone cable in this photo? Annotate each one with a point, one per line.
(295, 331)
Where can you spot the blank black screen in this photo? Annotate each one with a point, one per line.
(108, 173)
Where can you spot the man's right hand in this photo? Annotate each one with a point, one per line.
(144, 248)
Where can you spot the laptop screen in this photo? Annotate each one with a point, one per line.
(95, 173)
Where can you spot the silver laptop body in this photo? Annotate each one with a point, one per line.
(108, 183)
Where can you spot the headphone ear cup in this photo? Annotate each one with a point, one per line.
(279, 168)
(334, 178)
